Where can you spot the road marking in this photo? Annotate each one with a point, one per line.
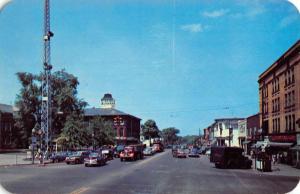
(80, 190)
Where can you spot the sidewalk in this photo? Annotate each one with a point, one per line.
(279, 170)
(13, 159)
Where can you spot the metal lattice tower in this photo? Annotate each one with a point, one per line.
(46, 79)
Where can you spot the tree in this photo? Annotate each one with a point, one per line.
(74, 132)
(170, 135)
(101, 132)
(64, 99)
(150, 129)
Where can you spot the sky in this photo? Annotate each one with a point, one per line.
(182, 63)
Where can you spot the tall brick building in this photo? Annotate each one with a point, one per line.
(279, 97)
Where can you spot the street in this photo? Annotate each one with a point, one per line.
(160, 173)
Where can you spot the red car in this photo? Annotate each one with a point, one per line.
(132, 152)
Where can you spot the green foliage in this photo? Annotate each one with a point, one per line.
(64, 100)
(101, 131)
(150, 129)
(74, 132)
(170, 135)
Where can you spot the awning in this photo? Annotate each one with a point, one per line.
(297, 147)
(246, 142)
(277, 144)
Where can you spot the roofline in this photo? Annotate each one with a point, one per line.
(229, 119)
(125, 114)
(286, 53)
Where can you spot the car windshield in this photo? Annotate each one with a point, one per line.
(120, 148)
(93, 154)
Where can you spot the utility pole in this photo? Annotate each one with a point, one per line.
(46, 80)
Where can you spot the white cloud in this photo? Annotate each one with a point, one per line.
(215, 13)
(194, 28)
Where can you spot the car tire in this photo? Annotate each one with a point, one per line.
(86, 165)
(121, 159)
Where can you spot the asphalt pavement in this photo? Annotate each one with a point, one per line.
(160, 173)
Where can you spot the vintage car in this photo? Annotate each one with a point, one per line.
(132, 152)
(194, 152)
(118, 150)
(182, 153)
(95, 159)
(77, 157)
(158, 147)
(148, 151)
(229, 157)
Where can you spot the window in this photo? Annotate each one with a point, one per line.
(293, 123)
(292, 75)
(286, 123)
(285, 100)
(290, 122)
(278, 130)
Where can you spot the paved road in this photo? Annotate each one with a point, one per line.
(157, 174)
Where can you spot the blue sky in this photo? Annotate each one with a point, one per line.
(182, 63)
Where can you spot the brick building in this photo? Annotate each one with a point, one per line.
(126, 125)
(279, 97)
(6, 126)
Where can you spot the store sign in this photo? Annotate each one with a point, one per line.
(283, 138)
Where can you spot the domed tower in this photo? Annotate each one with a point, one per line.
(107, 101)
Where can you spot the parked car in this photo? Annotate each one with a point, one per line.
(95, 159)
(118, 150)
(194, 152)
(148, 151)
(58, 157)
(174, 150)
(229, 157)
(107, 152)
(132, 152)
(158, 147)
(182, 153)
(77, 157)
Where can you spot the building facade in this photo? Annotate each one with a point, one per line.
(127, 126)
(226, 131)
(6, 126)
(242, 132)
(279, 97)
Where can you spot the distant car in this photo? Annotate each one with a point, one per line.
(118, 150)
(58, 157)
(194, 153)
(95, 159)
(148, 151)
(107, 152)
(174, 150)
(208, 152)
(181, 153)
(158, 147)
(77, 157)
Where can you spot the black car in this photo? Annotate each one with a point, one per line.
(229, 157)
(58, 157)
(194, 152)
(77, 157)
